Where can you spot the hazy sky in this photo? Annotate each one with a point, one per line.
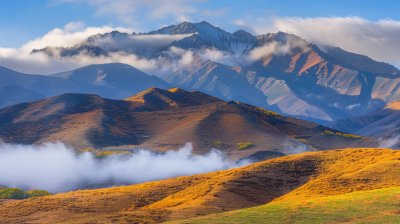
(23, 20)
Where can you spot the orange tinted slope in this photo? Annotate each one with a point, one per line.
(306, 175)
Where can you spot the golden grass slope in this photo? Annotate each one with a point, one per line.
(286, 179)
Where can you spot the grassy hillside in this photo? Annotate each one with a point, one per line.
(375, 206)
(291, 179)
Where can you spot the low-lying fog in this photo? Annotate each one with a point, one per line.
(56, 167)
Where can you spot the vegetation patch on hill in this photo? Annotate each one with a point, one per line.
(340, 134)
(245, 145)
(16, 193)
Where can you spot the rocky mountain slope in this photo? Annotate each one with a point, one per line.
(277, 71)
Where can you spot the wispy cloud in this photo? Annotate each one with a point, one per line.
(129, 11)
(389, 142)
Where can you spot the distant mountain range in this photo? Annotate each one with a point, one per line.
(277, 71)
(384, 122)
(115, 81)
(166, 119)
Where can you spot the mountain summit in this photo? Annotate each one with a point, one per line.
(202, 28)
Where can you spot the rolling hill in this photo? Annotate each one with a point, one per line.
(300, 183)
(166, 119)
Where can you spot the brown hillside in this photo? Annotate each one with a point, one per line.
(310, 175)
(159, 99)
(165, 119)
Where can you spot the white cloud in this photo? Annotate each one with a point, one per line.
(377, 39)
(263, 51)
(294, 146)
(56, 167)
(41, 63)
(185, 58)
(72, 33)
(21, 59)
(391, 142)
(140, 43)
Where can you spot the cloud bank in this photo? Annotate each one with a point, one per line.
(377, 39)
(21, 59)
(71, 34)
(57, 168)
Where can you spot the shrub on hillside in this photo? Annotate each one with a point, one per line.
(36, 193)
(12, 193)
(244, 145)
(340, 134)
(218, 145)
(16, 193)
(267, 112)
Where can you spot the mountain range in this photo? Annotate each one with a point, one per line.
(321, 82)
(277, 71)
(109, 80)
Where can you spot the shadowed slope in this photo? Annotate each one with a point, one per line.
(114, 81)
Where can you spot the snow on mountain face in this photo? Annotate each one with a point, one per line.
(275, 70)
(202, 28)
(184, 35)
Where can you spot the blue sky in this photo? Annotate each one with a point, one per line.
(23, 20)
